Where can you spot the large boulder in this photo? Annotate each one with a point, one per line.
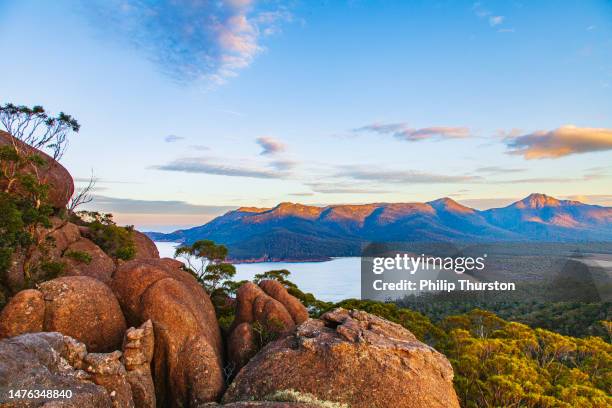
(267, 308)
(187, 360)
(296, 309)
(77, 306)
(255, 305)
(145, 247)
(350, 357)
(40, 361)
(51, 173)
(98, 265)
(25, 313)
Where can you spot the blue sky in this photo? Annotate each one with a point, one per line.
(189, 108)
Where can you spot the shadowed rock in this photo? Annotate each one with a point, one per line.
(138, 346)
(40, 361)
(350, 357)
(241, 346)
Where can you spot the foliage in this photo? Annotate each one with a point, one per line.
(501, 363)
(35, 127)
(79, 256)
(114, 240)
(24, 208)
(574, 318)
(207, 261)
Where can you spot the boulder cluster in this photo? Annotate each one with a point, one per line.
(71, 333)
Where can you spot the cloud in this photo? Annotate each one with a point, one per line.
(192, 39)
(596, 199)
(307, 194)
(560, 142)
(199, 147)
(402, 176)
(270, 145)
(343, 188)
(173, 138)
(404, 132)
(132, 206)
(204, 165)
(486, 203)
(495, 20)
(283, 165)
(491, 170)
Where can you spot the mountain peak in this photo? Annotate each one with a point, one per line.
(538, 200)
(296, 209)
(451, 205)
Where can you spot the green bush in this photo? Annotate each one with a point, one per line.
(115, 241)
(79, 256)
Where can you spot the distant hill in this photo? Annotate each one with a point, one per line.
(300, 232)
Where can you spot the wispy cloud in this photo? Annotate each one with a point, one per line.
(199, 147)
(211, 166)
(404, 132)
(494, 170)
(563, 141)
(402, 176)
(173, 138)
(270, 145)
(283, 165)
(193, 39)
(495, 20)
(344, 188)
(132, 206)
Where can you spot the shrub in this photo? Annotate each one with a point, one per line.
(116, 241)
(79, 256)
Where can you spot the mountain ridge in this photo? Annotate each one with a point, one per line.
(293, 231)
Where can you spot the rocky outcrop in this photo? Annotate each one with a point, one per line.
(350, 357)
(64, 243)
(77, 306)
(99, 265)
(56, 239)
(51, 173)
(255, 305)
(268, 305)
(105, 369)
(145, 248)
(138, 346)
(187, 360)
(296, 309)
(48, 361)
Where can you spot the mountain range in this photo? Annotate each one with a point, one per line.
(300, 232)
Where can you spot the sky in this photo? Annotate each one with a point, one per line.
(190, 108)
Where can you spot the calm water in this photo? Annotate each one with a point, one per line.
(333, 280)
